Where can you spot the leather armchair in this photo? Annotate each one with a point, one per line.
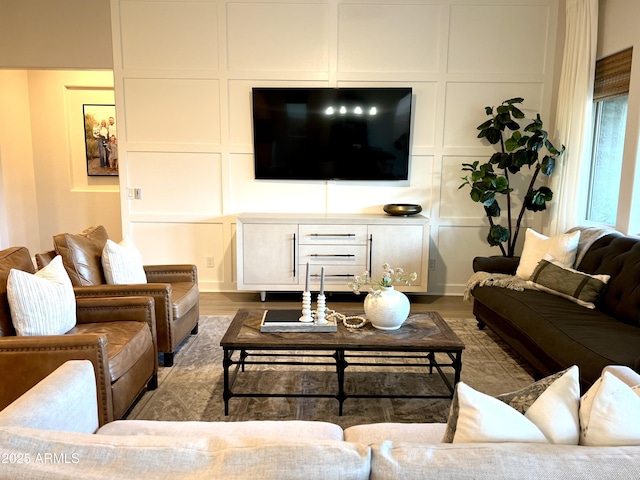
(174, 288)
(116, 334)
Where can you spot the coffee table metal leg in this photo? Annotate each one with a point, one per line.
(226, 392)
(341, 364)
(432, 360)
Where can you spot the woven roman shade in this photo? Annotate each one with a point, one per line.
(612, 75)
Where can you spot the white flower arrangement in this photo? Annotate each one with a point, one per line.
(389, 277)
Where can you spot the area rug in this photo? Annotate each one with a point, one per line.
(192, 388)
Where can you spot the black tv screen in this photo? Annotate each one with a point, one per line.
(331, 133)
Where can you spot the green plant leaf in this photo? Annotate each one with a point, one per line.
(501, 184)
(497, 235)
(488, 199)
(536, 200)
(493, 210)
(514, 100)
(488, 110)
(517, 113)
(493, 135)
(485, 125)
(548, 165)
(476, 194)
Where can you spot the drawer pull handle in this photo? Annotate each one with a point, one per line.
(332, 255)
(317, 275)
(332, 234)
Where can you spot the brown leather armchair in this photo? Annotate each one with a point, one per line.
(173, 287)
(116, 334)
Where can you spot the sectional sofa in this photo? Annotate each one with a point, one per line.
(553, 332)
(52, 432)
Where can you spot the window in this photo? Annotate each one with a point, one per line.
(611, 94)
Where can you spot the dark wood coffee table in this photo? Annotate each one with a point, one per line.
(415, 344)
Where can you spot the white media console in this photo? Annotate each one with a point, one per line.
(273, 249)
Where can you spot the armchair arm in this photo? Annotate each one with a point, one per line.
(24, 361)
(117, 309)
(498, 264)
(160, 292)
(171, 273)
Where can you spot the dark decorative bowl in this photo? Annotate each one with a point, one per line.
(402, 209)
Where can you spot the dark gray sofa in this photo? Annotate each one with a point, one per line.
(553, 333)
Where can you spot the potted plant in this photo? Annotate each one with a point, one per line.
(519, 147)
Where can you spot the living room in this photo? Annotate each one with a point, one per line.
(193, 208)
(180, 76)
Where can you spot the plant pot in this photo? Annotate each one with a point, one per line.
(386, 310)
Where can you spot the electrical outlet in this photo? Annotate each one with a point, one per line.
(210, 263)
(432, 264)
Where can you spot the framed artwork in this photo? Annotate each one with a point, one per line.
(101, 139)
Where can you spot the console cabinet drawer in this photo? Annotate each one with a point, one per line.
(333, 234)
(339, 275)
(333, 254)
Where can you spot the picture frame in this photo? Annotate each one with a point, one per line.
(101, 139)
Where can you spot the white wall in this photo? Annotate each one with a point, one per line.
(183, 76)
(19, 224)
(46, 189)
(618, 30)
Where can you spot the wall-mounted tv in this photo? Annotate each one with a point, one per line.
(331, 133)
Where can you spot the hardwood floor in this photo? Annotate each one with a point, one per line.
(228, 303)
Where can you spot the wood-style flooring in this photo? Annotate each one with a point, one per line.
(228, 303)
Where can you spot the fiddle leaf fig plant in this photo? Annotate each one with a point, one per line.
(490, 182)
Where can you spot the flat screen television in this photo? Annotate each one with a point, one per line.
(331, 133)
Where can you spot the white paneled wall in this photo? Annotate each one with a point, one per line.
(183, 77)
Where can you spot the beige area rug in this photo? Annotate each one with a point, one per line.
(192, 388)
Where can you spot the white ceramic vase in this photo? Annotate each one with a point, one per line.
(388, 309)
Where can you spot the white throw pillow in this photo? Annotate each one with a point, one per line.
(552, 418)
(561, 249)
(42, 303)
(610, 413)
(122, 263)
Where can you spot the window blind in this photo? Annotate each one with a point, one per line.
(612, 75)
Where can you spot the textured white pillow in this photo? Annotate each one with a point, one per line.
(122, 263)
(552, 418)
(610, 413)
(42, 303)
(561, 249)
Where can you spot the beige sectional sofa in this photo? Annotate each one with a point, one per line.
(52, 432)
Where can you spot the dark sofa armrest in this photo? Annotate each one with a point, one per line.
(497, 264)
(26, 360)
(171, 273)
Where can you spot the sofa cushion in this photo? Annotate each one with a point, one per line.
(291, 430)
(619, 257)
(578, 287)
(561, 248)
(369, 434)
(126, 343)
(503, 461)
(42, 303)
(122, 263)
(82, 255)
(610, 413)
(560, 332)
(18, 258)
(547, 412)
(154, 456)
